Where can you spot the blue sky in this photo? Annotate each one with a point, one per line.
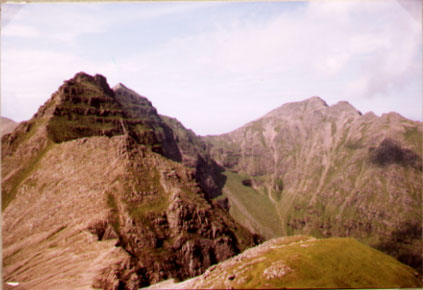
(217, 65)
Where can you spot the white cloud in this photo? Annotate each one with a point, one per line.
(8, 12)
(150, 11)
(54, 22)
(30, 77)
(216, 80)
(392, 59)
(20, 31)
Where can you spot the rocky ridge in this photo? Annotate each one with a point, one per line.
(178, 143)
(92, 198)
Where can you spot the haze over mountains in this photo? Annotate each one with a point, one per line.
(99, 190)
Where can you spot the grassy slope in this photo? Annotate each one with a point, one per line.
(309, 263)
(260, 218)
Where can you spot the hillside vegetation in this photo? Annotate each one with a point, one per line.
(305, 262)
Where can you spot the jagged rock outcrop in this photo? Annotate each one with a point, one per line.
(194, 155)
(329, 171)
(138, 107)
(91, 198)
(177, 143)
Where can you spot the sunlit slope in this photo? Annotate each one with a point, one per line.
(262, 217)
(306, 262)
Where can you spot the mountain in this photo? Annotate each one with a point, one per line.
(327, 171)
(101, 191)
(95, 194)
(304, 262)
(7, 125)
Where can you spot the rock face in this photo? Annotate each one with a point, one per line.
(177, 143)
(93, 196)
(303, 262)
(194, 155)
(330, 171)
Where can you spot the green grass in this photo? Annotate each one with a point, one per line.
(114, 218)
(326, 263)
(60, 129)
(263, 211)
(111, 201)
(413, 136)
(141, 210)
(154, 203)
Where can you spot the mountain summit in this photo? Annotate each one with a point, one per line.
(92, 197)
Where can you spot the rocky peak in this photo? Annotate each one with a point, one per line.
(317, 101)
(96, 80)
(344, 106)
(84, 106)
(119, 86)
(370, 115)
(392, 116)
(135, 104)
(295, 108)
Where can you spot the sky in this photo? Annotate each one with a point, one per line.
(217, 65)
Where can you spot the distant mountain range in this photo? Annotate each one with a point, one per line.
(99, 190)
